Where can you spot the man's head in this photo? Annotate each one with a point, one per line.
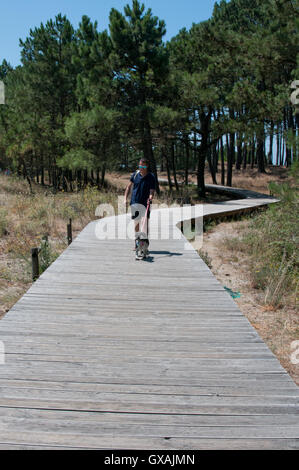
(143, 166)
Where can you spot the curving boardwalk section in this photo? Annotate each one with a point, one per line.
(104, 352)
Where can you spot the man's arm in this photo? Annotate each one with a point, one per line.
(152, 188)
(127, 191)
(152, 194)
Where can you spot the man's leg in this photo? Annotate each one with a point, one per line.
(137, 211)
(145, 226)
(134, 214)
(136, 231)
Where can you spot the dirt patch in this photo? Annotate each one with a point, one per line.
(277, 327)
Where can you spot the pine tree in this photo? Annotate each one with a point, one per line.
(140, 65)
(50, 78)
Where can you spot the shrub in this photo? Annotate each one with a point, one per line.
(272, 242)
(206, 258)
(46, 255)
(3, 221)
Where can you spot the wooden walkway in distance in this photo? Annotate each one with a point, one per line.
(105, 352)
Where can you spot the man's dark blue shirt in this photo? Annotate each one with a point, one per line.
(141, 187)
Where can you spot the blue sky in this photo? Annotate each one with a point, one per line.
(18, 16)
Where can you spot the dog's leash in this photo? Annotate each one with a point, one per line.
(145, 217)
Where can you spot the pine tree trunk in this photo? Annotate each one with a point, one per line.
(187, 159)
(37, 170)
(239, 153)
(231, 153)
(264, 150)
(98, 178)
(205, 120)
(252, 153)
(64, 181)
(216, 156)
(103, 172)
(201, 172)
(85, 178)
(289, 126)
(277, 146)
(194, 152)
(31, 169)
(211, 166)
(54, 176)
(165, 158)
(230, 159)
(244, 156)
(42, 171)
(174, 166)
(70, 179)
(280, 148)
(260, 153)
(270, 153)
(79, 179)
(292, 125)
(26, 174)
(222, 162)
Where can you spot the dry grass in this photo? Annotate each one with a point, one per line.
(25, 218)
(277, 323)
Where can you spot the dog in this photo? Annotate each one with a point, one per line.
(142, 244)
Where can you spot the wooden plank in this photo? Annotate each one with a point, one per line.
(170, 389)
(147, 407)
(105, 429)
(155, 344)
(141, 333)
(98, 419)
(79, 441)
(95, 353)
(98, 363)
(151, 404)
(150, 444)
(116, 375)
(95, 396)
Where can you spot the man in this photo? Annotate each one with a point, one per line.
(143, 185)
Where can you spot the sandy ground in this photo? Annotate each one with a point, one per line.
(278, 328)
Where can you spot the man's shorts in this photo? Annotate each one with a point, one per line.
(135, 212)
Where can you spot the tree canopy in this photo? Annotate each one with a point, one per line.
(84, 101)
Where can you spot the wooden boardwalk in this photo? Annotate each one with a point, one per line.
(105, 352)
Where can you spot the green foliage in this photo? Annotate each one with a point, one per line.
(294, 171)
(3, 221)
(46, 255)
(85, 99)
(205, 257)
